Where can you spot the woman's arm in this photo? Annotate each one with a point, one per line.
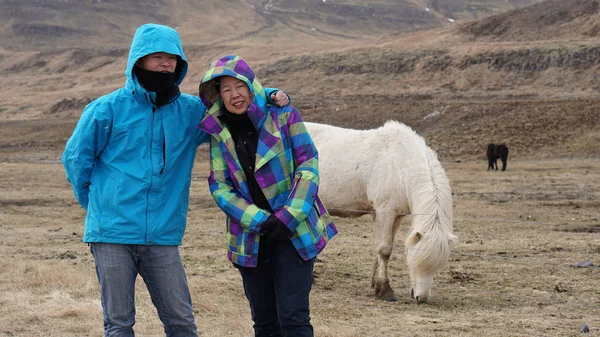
(227, 198)
(306, 174)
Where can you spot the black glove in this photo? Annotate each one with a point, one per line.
(269, 224)
(274, 229)
(279, 233)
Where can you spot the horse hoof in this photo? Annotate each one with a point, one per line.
(390, 298)
(385, 292)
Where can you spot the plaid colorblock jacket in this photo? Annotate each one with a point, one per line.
(286, 169)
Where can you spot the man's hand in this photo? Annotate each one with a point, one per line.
(280, 98)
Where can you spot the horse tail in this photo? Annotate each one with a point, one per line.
(432, 225)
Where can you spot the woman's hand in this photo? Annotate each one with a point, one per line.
(280, 98)
(279, 233)
(275, 229)
(268, 225)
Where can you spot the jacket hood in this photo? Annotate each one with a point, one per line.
(152, 38)
(233, 66)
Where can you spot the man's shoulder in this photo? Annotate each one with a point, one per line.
(190, 98)
(191, 103)
(104, 104)
(110, 97)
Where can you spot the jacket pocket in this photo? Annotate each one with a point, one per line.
(108, 196)
(322, 216)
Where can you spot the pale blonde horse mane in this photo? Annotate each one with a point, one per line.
(435, 221)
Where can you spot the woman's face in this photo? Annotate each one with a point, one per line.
(235, 94)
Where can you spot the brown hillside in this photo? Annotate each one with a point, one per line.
(35, 25)
(543, 102)
(549, 20)
(354, 17)
(460, 91)
(28, 25)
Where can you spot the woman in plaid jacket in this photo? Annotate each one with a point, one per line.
(264, 175)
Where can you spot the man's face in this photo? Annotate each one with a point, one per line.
(160, 62)
(235, 94)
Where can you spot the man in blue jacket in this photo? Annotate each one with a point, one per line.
(130, 161)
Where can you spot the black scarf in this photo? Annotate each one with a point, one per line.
(245, 137)
(163, 84)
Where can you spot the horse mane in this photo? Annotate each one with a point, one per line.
(432, 218)
(443, 193)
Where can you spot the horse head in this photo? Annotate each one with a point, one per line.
(426, 253)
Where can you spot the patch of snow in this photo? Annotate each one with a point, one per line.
(267, 6)
(435, 113)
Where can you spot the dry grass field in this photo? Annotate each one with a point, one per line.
(511, 274)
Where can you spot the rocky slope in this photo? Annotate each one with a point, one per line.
(461, 86)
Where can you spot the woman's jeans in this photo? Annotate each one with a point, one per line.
(278, 290)
(117, 267)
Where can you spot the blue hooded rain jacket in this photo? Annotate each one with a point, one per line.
(129, 161)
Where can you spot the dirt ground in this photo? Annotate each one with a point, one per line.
(511, 274)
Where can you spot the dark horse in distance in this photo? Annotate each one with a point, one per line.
(495, 152)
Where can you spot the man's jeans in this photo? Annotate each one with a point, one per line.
(117, 267)
(278, 291)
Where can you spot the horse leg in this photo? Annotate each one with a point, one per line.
(386, 225)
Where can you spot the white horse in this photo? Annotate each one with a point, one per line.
(389, 172)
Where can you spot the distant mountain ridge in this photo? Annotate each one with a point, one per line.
(45, 24)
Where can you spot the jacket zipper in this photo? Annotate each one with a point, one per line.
(295, 184)
(146, 240)
(164, 144)
(164, 150)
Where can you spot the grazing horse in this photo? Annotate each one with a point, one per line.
(495, 152)
(389, 172)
